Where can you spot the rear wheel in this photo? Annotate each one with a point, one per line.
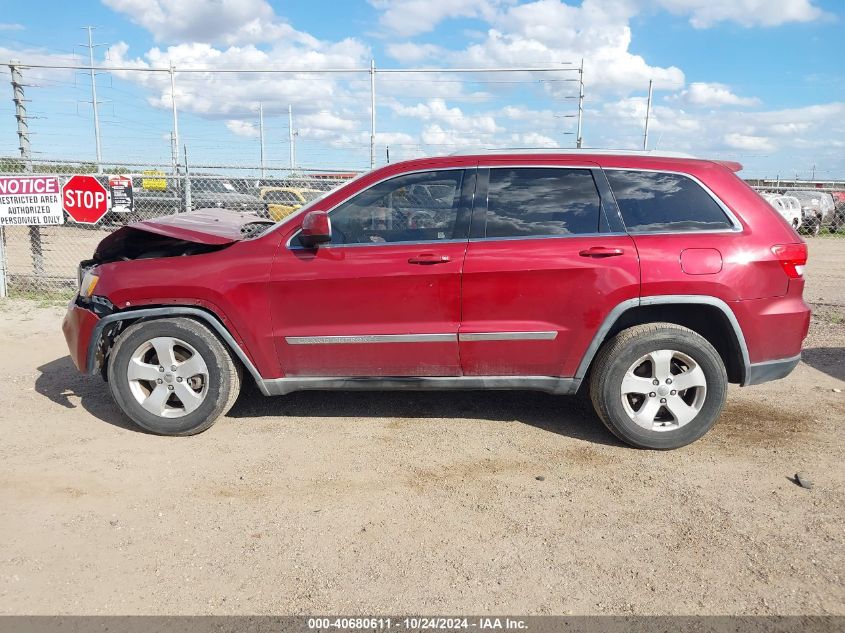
(658, 385)
(172, 376)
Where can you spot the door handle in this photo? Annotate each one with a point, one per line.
(427, 259)
(601, 251)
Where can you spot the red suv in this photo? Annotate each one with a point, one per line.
(652, 280)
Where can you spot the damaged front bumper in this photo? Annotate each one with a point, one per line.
(80, 327)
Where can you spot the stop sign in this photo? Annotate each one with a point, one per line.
(85, 199)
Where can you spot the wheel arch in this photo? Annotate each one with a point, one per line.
(708, 316)
(110, 326)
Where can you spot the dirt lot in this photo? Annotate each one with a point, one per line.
(427, 503)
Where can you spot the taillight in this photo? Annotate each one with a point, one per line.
(792, 257)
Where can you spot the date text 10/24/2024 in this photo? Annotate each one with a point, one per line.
(417, 623)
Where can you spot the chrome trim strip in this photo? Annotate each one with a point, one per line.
(370, 338)
(291, 247)
(548, 384)
(547, 237)
(507, 336)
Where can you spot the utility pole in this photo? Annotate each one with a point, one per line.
(175, 119)
(187, 181)
(261, 136)
(387, 153)
(372, 113)
(94, 102)
(579, 140)
(291, 136)
(26, 155)
(647, 113)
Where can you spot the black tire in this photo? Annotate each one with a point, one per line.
(224, 375)
(811, 226)
(623, 350)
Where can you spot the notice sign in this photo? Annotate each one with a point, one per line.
(121, 193)
(30, 200)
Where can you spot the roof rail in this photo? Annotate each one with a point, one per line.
(559, 150)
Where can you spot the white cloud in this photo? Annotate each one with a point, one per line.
(10, 26)
(749, 142)
(533, 139)
(223, 21)
(412, 17)
(548, 32)
(409, 52)
(707, 13)
(714, 95)
(242, 128)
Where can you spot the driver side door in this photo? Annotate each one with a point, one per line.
(383, 297)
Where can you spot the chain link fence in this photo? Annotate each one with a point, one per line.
(42, 260)
(812, 208)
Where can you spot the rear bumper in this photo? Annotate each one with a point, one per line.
(78, 327)
(757, 373)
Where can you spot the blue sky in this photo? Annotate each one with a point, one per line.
(759, 81)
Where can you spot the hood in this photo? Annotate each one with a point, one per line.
(204, 226)
(180, 234)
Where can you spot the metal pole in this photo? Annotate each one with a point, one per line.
(3, 290)
(647, 113)
(290, 138)
(175, 116)
(26, 154)
(372, 113)
(187, 182)
(94, 102)
(579, 141)
(261, 136)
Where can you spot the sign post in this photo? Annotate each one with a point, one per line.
(85, 199)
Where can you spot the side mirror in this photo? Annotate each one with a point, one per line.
(316, 229)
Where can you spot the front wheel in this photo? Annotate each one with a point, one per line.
(658, 385)
(172, 376)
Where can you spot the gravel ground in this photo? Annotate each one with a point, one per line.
(419, 502)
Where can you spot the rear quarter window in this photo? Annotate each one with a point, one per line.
(664, 202)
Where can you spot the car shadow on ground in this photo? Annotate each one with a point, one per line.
(62, 383)
(572, 416)
(830, 360)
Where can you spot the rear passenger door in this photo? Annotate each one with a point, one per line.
(547, 260)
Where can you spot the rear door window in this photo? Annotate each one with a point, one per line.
(664, 202)
(534, 202)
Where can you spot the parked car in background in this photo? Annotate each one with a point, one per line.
(788, 206)
(650, 281)
(209, 192)
(282, 201)
(817, 209)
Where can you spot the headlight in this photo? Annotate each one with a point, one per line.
(89, 282)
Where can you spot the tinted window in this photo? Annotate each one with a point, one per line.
(653, 201)
(411, 208)
(527, 202)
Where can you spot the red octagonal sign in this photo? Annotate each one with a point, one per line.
(85, 199)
